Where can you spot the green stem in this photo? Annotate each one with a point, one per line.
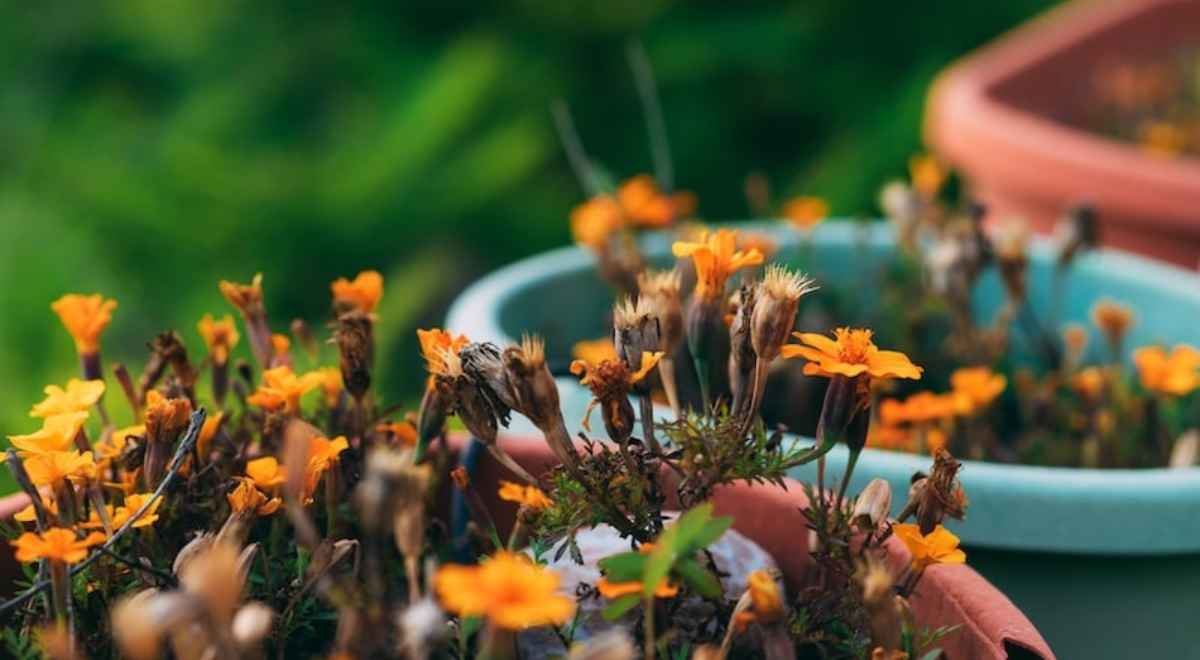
(846, 477)
(648, 624)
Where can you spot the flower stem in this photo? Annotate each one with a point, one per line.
(648, 625)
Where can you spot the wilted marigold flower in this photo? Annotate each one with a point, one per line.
(1162, 373)
(281, 389)
(80, 395)
(937, 547)
(84, 317)
(245, 497)
(207, 432)
(436, 344)
(52, 467)
(56, 544)
(247, 298)
(529, 496)
(362, 293)
(850, 353)
(805, 212)
(57, 434)
(507, 589)
(978, 385)
(716, 258)
(220, 336)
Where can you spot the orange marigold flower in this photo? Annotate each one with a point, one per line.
(323, 452)
(51, 467)
(937, 547)
(245, 497)
(850, 353)
(1113, 319)
(56, 544)
(1162, 373)
(438, 347)
(165, 416)
(594, 351)
(28, 514)
(978, 386)
(207, 432)
(112, 446)
(805, 212)
(920, 408)
(643, 204)
(220, 336)
(79, 395)
(84, 317)
(247, 298)
(716, 258)
(594, 222)
(362, 294)
(507, 589)
(530, 496)
(614, 590)
(766, 601)
(266, 472)
(883, 436)
(331, 384)
(121, 514)
(1090, 382)
(57, 434)
(281, 389)
(928, 174)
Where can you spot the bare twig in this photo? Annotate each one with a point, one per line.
(581, 165)
(656, 126)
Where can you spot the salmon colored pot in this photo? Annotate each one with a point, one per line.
(990, 626)
(1005, 116)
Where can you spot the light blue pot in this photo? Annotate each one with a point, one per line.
(1105, 562)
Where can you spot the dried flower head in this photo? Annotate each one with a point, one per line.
(85, 318)
(805, 212)
(507, 589)
(716, 258)
(440, 350)
(79, 395)
(247, 298)
(660, 290)
(220, 336)
(635, 329)
(214, 576)
(873, 505)
(360, 294)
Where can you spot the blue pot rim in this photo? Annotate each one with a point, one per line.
(1056, 509)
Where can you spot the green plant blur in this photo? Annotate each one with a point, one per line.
(149, 148)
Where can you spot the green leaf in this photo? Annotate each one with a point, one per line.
(620, 606)
(711, 531)
(700, 579)
(625, 567)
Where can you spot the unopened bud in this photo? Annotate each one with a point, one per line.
(873, 505)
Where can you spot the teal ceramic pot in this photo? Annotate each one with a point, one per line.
(1106, 563)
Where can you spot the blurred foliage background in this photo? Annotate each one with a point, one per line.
(149, 148)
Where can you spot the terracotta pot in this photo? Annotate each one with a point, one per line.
(990, 626)
(1003, 116)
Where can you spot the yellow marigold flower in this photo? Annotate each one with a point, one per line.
(121, 514)
(436, 346)
(805, 212)
(80, 395)
(247, 298)
(530, 496)
(764, 594)
(207, 432)
(1090, 382)
(165, 417)
(716, 258)
(507, 589)
(112, 446)
(56, 544)
(1113, 319)
(57, 434)
(220, 336)
(928, 174)
(245, 497)
(594, 222)
(978, 385)
(362, 294)
(48, 468)
(28, 514)
(1162, 373)
(266, 472)
(331, 384)
(280, 344)
(850, 353)
(84, 317)
(281, 389)
(594, 351)
(937, 547)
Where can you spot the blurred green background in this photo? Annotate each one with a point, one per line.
(149, 148)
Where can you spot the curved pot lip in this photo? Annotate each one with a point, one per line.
(948, 594)
(1026, 507)
(978, 131)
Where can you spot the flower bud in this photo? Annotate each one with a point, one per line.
(660, 290)
(742, 356)
(535, 394)
(873, 505)
(355, 341)
(774, 311)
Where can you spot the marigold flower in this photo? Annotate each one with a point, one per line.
(56, 544)
(29, 514)
(927, 173)
(220, 336)
(438, 347)
(247, 298)
(363, 293)
(594, 351)
(121, 514)
(281, 389)
(85, 318)
(165, 414)
(80, 395)
(331, 384)
(884, 436)
(1090, 383)
(52, 467)
(266, 472)
(507, 589)
(765, 596)
(716, 258)
(404, 432)
(805, 212)
(529, 496)
(57, 434)
(850, 353)
(937, 547)
(111, 447)
(323, 452)
(644, 205)
(594, 222)
(920, 408)
(1162, 373)
(207, 432)
(245, 497)
(280, 346)
(979, 385)
(1113, 319)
